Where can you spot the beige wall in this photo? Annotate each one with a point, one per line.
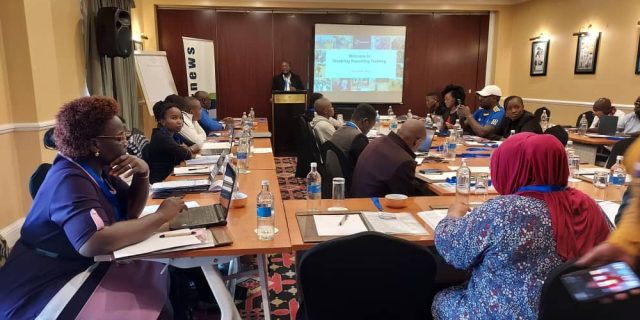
(41, 67)
(614, 76)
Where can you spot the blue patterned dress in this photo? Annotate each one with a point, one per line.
(508, 245)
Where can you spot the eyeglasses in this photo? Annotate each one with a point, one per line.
(120, 137)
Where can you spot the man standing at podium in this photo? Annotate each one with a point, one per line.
(287, 80)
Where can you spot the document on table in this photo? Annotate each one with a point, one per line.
(451, 187)
(192, 170)
(157, 243)
(262, 150)
(329, 224)
(435, 177)
(419, 160)
(395, 223)
(610, 209)
(216, 145)
(153, 208)
(202, 160)
(432, 217)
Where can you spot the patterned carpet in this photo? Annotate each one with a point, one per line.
(282, 276)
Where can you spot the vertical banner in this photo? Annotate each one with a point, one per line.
(201, 68)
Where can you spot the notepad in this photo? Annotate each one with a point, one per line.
(433, 217)
(400, 223)
(153, 208)
(329, 225)
(202, 160)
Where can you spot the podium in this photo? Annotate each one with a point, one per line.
(286, 106)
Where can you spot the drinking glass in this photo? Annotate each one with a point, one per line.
(482, 188)
(437, 122)
(337, 195)
(574, 166)
(600, 182)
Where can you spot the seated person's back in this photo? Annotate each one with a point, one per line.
(511, 243)
(387, 164)
(167, 149)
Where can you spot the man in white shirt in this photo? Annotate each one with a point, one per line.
(630, 123)
(321, 125)
(191, 129)
(603, 107)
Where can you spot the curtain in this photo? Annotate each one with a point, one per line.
(98, 68)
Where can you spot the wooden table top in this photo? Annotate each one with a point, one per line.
(415, 205)
(592, 141)
(241, 222)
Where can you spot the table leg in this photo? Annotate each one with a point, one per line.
(264, 285)
(225, 301)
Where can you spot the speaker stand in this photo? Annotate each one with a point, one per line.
(113, 78)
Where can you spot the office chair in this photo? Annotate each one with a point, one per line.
(36, 179)
(308, 150)
(619, 149)
(590, 116)
(336, 164)
(368, 275)
(557, 303)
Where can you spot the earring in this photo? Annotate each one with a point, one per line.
(97, 154)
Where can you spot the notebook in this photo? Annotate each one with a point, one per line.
(211, 215)
(608, 125)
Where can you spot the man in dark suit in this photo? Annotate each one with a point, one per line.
(287, 80)
(387, 164)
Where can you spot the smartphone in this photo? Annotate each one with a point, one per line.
(600, 282)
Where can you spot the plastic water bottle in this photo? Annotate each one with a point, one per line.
(428, 122)
(376, 126)
(584, 124)
(314, 189)
(244, 118)
(569, 149)
(618, 174)
(266, 221)
(393, 126)
(463, 183)
(409, 115)
(390, 111)
(512, 132)
(544, 120)
(450, 144)
(243, 151)
(458, 129)
(252, 114)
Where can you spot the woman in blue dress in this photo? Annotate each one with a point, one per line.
(83, 210)
(511, 243)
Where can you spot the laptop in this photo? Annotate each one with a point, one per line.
(212, 215)
(608, 125)
(170, 188)
(428, 140)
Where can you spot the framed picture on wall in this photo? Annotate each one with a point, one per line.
(587, 53)
(539, 57)
(638, 59)
(137, 45)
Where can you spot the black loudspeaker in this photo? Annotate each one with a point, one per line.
(113, 32)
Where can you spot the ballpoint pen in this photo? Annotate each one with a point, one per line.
(177, 233)
(343, 220)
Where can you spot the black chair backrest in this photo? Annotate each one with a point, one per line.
(336, 164)
(559, 132)
(619, 149)
(308, 150)
(368, 275)
(589, 114)
(37, 178)
(557, 303)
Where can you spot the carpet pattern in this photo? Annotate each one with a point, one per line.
(282, 276)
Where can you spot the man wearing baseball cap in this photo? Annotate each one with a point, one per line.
(484, 120)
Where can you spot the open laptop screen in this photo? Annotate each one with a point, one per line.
(428, 140)
(228, 184)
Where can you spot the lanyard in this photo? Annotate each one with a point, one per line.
(105, 190)
(543, 188)
(350, 124)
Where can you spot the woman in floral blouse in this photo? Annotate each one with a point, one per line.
(513, 241)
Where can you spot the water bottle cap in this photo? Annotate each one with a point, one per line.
(264, 183)
(314, 165)
(619, 157)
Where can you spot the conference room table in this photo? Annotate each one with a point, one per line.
(587, 147)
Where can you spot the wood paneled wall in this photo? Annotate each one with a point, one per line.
(249, 46)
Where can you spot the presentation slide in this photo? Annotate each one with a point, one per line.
(359, 63)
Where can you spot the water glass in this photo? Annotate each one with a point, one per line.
(574, 166)
(600, 181)
(437, 122)
(337, 194)
(482, 186)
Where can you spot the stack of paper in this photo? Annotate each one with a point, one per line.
(431, 178)
(202, 160)
(394, 223)
(192, 170)
(166, 240)
(432, 217)
(191, 185)
(216, 145)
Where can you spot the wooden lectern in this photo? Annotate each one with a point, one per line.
(286, 106)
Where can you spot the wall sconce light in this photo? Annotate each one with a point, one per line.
(583, 33)
(541, 36)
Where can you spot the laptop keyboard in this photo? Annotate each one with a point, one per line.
(205, 215)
